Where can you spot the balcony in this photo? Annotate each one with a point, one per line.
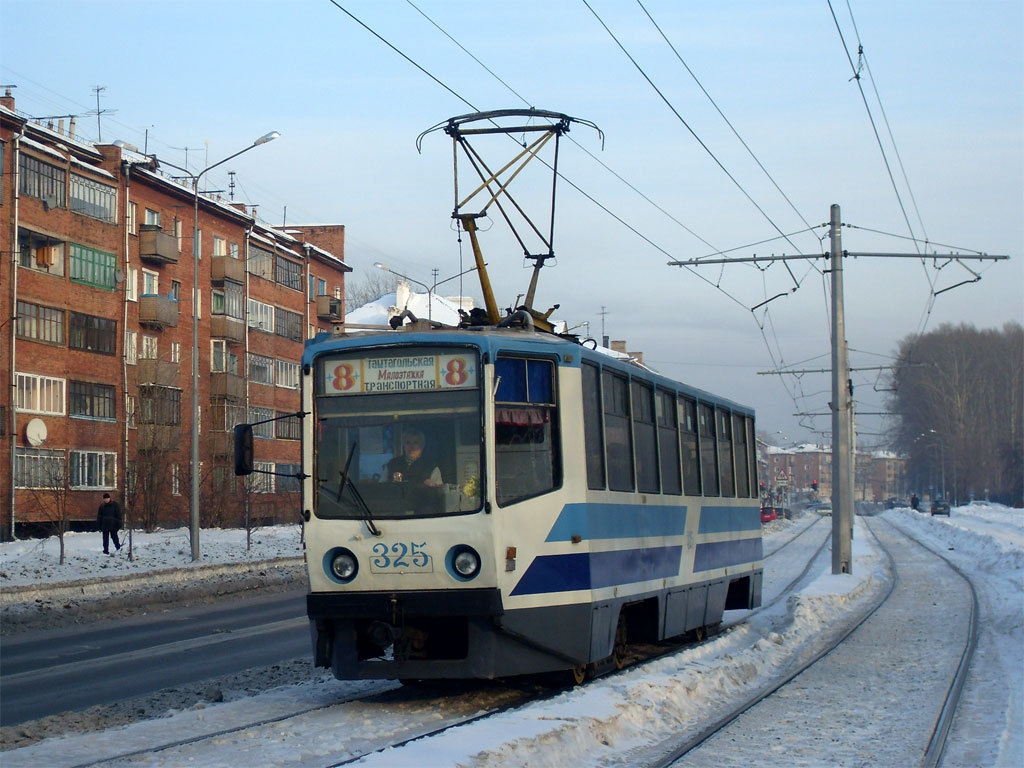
(225, 327)
(229, 385)
(226, 268)
(222, 443)
(159, 438)
(157, 246)
(158, 372)
(328, 308)
(158, 311)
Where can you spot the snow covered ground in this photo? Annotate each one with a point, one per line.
(610, 722)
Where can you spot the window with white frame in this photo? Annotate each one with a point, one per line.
(260, 262)
(39, 468)
(260, 369)
(220, 246)
(222, 359)
(175, 351)
(265, 415)
(39, 394)
(233, 250)
(130, 411)
(177, 233)
(131, 347)
(261, 316)
(150, 283)
(93, 198)
(41, 180)
(287, 374)
(175, 480)
(93, 470)
(152, 217)
(133, 219)
(150, 349)
(259, 482)
(131, 285)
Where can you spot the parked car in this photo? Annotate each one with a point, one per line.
(940, 507)
(821, 507)
(768, 514)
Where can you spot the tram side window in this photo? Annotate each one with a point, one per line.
(739, 433)
(617, 438)
(527, 453)
(688, 446)
(668, 442)
(645, 437)
(725, 461)
(592, 437)
(708, 457)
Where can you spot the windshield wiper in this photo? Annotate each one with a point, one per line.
(346, 482)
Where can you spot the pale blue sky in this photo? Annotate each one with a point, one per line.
(214, 75)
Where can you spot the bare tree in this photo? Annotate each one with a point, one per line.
(371, 287)
(50, 493)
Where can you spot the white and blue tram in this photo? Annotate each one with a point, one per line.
(580, 503)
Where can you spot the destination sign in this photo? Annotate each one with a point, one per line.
(405, 373)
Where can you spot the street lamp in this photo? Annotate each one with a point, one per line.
(194, 512)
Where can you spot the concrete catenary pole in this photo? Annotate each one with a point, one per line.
(842, 403)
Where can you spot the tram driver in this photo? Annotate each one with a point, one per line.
(412, 466)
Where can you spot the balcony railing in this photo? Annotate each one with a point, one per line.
(157, 246)
(159, 372)
(225, 327)
(158, 311)
(229, 385)
(226, 268)
(159, 438)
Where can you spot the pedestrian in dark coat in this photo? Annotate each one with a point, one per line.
(109, 519)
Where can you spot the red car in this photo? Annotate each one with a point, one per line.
(768, 514)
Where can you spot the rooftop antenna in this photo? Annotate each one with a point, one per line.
(100, 112)
(231, 185)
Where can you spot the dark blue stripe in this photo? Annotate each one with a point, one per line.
(594, 570)
(618, 521)
(721, 519)
(721, 554)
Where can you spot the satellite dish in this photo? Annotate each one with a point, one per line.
(118, 276)
(35, 432)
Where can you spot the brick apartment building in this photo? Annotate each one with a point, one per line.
(96, 286)
(807, 469)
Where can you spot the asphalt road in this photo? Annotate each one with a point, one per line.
(47, 672)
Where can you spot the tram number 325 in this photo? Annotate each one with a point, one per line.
(400, 556)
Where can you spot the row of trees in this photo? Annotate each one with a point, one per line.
(959, 396)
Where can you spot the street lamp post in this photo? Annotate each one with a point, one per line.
(194, 511)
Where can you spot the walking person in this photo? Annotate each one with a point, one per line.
(109, 519)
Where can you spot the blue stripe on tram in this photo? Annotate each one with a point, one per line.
(594, 570)
(618, 521)
(721, 554)
(722, 519)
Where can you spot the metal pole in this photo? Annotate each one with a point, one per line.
(842, 490)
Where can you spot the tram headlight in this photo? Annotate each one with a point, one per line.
(463, 562)
(341, 565)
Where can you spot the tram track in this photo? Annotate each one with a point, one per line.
(931, 752)
(507, 695)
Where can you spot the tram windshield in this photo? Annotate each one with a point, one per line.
(398, 434)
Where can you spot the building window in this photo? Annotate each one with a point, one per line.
(39, 468)
(93, 267)
(288, 324)
(152, 217)
(287, 374)
(220, 246)
(133, 219)
(90, 400)
(131, 347)
(260, 262)
(93, 198)
(132, 285)
(288, 427)
(262, 420)
(150, 350)
(262, 479)
(261, 316)
(42, 181)
(233, 250)
(222, 359)
(227, 301)
(39, 394)
(288, 273)
(93, 470)
(92, 334)
(288, 478)
(175, 480)
(159, 405)
(175, 292)
(39, 252)
(260, 369)
(40, 323)
(175, 351)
